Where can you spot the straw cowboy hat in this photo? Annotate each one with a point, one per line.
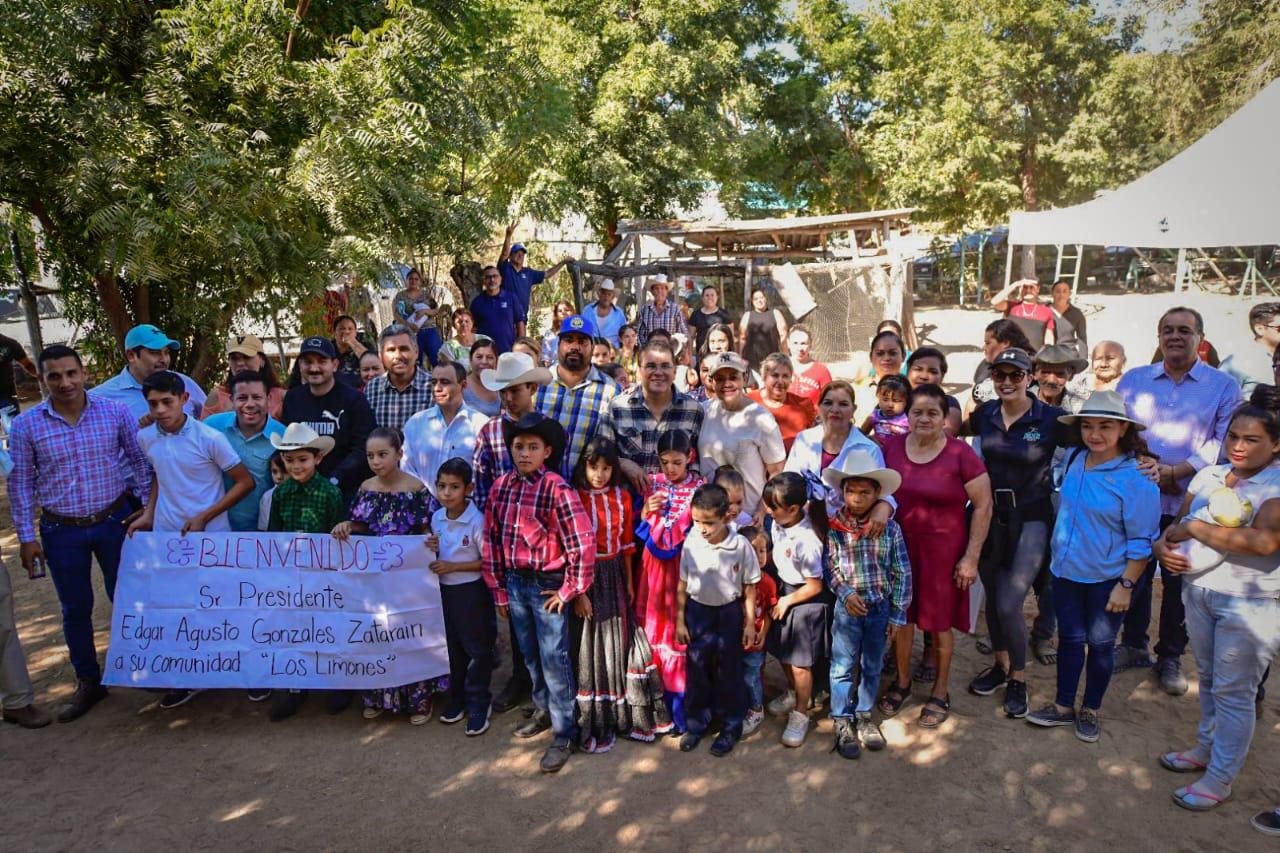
(660, 278)
(1061, 354)
(859, 463)
(1103, 404)
(514, 368)
(299, 436)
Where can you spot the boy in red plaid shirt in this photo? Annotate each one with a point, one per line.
(538, 556)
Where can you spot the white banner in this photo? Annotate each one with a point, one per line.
(275, 610)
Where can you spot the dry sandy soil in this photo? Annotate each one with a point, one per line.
(216, 775)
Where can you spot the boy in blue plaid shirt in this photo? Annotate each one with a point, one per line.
(871, 579)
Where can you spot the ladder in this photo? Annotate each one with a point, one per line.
(1076, 261)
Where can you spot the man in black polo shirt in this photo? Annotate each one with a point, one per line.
(334, 409)
(11, 351)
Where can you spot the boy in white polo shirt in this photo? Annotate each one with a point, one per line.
(189, 459)
(718, 576)
(470, 622)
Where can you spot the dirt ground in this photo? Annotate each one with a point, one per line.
(216, 775)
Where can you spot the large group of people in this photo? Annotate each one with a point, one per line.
(654, 506)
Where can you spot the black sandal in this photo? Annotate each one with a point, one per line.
(930, 718)
(893, 698)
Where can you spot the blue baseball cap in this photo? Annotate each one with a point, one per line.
(319, 346)
(575, 325)
(519, 247)
(149, 337)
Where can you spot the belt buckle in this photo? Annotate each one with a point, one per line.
(1011, 503)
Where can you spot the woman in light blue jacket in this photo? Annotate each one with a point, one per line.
(1107, 521)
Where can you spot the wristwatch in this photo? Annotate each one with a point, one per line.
(1126, 583)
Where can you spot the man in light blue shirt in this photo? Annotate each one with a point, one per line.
(146, 351)
(1186, 405)
(604, 317)
(249, 429)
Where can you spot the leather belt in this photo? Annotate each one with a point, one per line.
(83, 520)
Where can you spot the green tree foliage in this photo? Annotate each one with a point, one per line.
(651, 86)
(973, 99)
(192, 162)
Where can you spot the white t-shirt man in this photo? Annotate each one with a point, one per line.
(459, 541)
(747, 439)
(717, 574)
(189, 465)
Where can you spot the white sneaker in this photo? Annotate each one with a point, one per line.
(797, 727)
(783, 705)
(752, 721)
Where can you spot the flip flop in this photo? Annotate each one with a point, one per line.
(1044, 651)
(1179, 763)
(1197, 801)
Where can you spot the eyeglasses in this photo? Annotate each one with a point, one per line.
(658, 367)
(1009, 375)
(493, 278)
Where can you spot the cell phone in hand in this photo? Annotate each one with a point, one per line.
(41, 568)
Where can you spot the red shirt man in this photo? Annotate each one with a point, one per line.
(808, 375)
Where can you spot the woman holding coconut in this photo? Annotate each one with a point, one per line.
(1228, 548)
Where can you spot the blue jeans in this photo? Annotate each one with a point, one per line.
(1234, 639)
(713, 675)
(543, 639)
(857, 656)
(429, 343)
(752, 678)
(1173, 621)
(1083, 619)
(70, 551)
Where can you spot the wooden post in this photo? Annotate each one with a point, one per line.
(1008, 267)
(575, 274)
(1075, 279)
(961, 270)
(746, 285)
(1180, 274)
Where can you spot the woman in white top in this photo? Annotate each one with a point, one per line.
(738, 432)
(1228, 546)
(817, 448)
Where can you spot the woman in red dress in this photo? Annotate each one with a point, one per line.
(941, 475)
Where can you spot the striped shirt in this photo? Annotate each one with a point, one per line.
(873, 568)
(393, 406)
(612, 519)
(1186, 420)
(670, 317)
(637, 430)
(583, 411)
(76, 469)
(536, 523)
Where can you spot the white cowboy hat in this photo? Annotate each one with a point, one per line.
(1103, 404)
(606, 284)
(660, 278)
(514, 368)
(859, 463)
(299, 436)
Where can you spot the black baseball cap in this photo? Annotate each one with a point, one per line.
(1013, 357)
(319, 346)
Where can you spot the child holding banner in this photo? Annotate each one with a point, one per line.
(304, 503)
(391, 503)
(538, 555)
(469, 624)
(188, 458)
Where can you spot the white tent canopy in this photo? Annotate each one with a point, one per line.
(1223, 190)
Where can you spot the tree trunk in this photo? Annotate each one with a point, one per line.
(108, 287)
(611, 235)
(1030, 201)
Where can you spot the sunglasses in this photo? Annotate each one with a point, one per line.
(1008, 375)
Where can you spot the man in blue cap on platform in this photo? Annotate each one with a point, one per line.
(518, 280)
(147, 350)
